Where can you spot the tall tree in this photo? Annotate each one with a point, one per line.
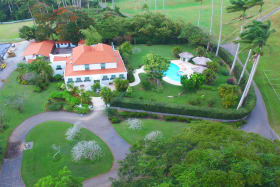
(211, 24)
(221, 27)
(238, 6)
(91, 35)
(255, 35)
(199, 13)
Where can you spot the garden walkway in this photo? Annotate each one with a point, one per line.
(97, 122)
(136, 75)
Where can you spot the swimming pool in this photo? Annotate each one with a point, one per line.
(172, 73)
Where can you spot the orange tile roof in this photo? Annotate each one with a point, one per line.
(120, 68)
(100, 53)
(43, 48)
(59, 58)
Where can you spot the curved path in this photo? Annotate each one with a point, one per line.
(136, 75)
(257, 121)
(96, 122)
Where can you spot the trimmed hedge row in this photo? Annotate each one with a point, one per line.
(217, 113)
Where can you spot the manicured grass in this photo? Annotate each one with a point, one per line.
(9, 32)
(140, 51)
(38, 162)
(168, 129)
(33, 104)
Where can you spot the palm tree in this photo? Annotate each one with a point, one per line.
(251, 3)
(211, 25)
(221, 27)
(255, 35)
(237, 6)
(199, 14)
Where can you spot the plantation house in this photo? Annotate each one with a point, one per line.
(80, 65)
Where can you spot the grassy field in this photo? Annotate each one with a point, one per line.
(39, 162)
(33, 104)
(187, 10)
(168, 129)
(9, 32)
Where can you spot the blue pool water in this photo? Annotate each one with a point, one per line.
(172, 73)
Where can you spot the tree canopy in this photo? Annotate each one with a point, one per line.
(205, 154)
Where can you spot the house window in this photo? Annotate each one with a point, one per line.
(105, 78)
(87, 79)
(113, 77)
(79, 79)
(87, 67)
(58, 67)
(103, 66)
(95, 81)
(70, 80)
(121, 76)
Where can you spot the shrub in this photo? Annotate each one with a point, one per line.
(84, 109)
(210, 76)
(153, 136)
(176, 51)
(177, 118)
(130, 76)
(121, 85)
(60, 86)
(115, 119)
(128, 92)
(58, 77)
(134, 124)
(89, 150)
(231, 81)
(213, 66)
(54, 106)
(72, 132)
(146, 84)
(224, 71)
(194, 82)
(95, 86)
(200, 51)
(68, 108)
(57, 95)
(195, 101)
(106, 95)
(229, 95)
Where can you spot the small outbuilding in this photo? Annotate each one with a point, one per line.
(185, 56)
(201, 61)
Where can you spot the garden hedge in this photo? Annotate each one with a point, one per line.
(199, 111)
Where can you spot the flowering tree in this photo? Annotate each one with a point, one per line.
(88, 150)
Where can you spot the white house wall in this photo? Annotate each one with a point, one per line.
(87, 85)
(58, 63)
(95, 66)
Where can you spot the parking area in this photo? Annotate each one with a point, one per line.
(12, 62)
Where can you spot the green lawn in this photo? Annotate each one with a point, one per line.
(168, 129)
(33, 104)
(38, 162)
(140, 51)
(9, 32)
